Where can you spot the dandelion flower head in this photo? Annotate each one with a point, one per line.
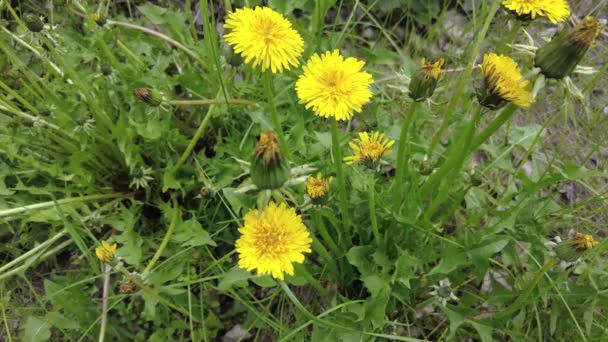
(503, 79)
(431, 70)
(272, 240)
(334, 86)
(584, 241)
(317, 187)
(554, 10)
(369, 148)
(264, 38)
(106, 252)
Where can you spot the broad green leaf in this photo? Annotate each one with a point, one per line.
(191, 233)
(35, 329)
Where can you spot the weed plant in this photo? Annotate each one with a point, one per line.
(160, 182)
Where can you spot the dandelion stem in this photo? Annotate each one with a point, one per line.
(104, 302)
(330, 262)
(210, 101)
(372, 209)
(337, 154)
(402, 157)
(493, 126)
(276, 121)
(320, 226)
(197, 135)
(34, 250)
(166, 239)
(455, 158)
(19, 210)
(464, 77)
(521, 299)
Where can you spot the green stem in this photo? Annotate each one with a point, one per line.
(33, 251)
(464, 77)
(104, 302)
(372, 209)
(402, 158)
(509, 37)
(456, 156)
(337, 154)
(210, 101)
(292, 297)
(38, 258)
(493, 126)
(44, 205)
(197, 135)
(522, 298)
(330, 261)
(166, 239)
(314, 282)
(276, 121)
(320, 226)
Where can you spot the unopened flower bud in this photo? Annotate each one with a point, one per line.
(33, 22)
(149, 96)
(127, 286)
(268, 168)
(426, 167)
(559, 57)
(570, 250)
(106, 68)
(424, 80)
(98, 18)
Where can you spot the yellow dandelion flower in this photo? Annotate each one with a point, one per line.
(334, 86)
(264, 38)
(272, 240)
(424, 81)
(584, 241)
(503, 83)
(318, 187)
(369, 148)
(554, 10)
(106, 252)
(431, 70)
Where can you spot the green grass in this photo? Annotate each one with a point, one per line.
(74, 139)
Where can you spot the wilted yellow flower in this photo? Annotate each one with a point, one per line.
(317, 187)
(503, 83)
(106, 252)
(561, 55)
(584, 241)
(555, 10)
(334, 86)
(272, 240)
(264, 37)
(369, 148)
(424, 81)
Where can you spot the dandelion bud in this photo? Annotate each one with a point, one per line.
(317, 188)
(268, 168)
(559, 57)
(106, 252)
(127, 286)
(426, 167)
(424, 81)
(476, 178)
(571, 250)
(106, 69)
(33, 22)
(98, 18)
(149, 96)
